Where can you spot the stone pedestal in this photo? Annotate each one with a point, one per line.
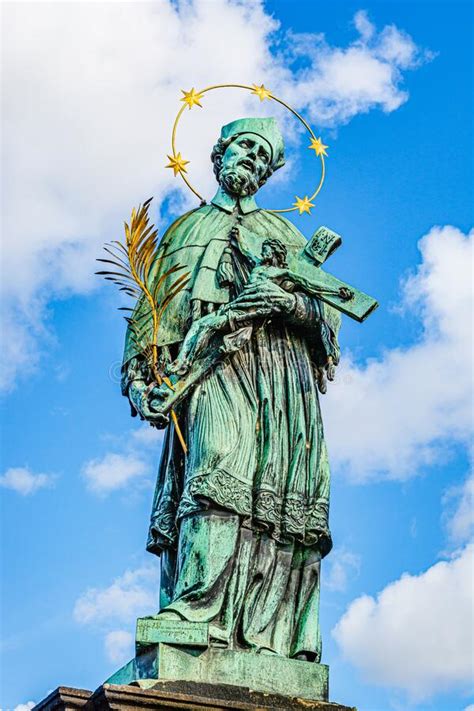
(64, 699)
(178, 666)
(184, 696)
(178, 650)
(265, 673)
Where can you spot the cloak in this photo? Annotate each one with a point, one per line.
(253, 427)
(196, 242)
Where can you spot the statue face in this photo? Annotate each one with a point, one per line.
(245, 164)
(267, 254)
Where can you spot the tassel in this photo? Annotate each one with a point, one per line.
(196, 309)
(225, 270)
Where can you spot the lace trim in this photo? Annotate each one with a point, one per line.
(163, 532)
(221, 488)
(293, 517)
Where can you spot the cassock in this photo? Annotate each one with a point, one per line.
(241, 521)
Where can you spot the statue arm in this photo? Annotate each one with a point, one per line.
(318, 319)
(321, 325)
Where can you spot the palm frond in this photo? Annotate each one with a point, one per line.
(131, 269)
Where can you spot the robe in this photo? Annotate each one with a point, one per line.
(241, 522)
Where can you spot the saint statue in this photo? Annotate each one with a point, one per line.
(240, 521)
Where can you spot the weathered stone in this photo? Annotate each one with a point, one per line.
(198, 697)
(261, 672)
(143, 666)
(152, 630)
(64, 698)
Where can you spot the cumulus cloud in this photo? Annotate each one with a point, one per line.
(112, 472)
(363, 25)
(119, 646)
(25, 707)
(88, 113)
(410, 403)
(131, 595)
(459, 511)
(341, 567)
(24, 481)
(147, 436)
(416, 635)
(340, 82)
(129, 466)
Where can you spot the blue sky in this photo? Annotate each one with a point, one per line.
(87, 128)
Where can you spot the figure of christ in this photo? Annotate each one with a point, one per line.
(230, 318)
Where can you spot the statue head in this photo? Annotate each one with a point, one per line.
(246, 154)
(274, 253)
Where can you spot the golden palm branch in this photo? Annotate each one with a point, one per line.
(131, 270)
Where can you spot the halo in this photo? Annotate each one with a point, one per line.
(193, 98)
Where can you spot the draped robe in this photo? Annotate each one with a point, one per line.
(241, 522)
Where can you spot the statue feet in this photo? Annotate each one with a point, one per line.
(167, 615)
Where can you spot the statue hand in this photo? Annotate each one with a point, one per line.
(266, 298)
(325, 373)
(330, 368)
(147, 400)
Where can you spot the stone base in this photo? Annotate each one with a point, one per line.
(214, 665)
(177, 666)
(64, 698)
(177, 695)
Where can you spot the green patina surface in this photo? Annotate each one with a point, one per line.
(153, 630)
(219, 666)
(241, 521)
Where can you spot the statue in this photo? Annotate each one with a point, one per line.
(241, 521)
(245, 339)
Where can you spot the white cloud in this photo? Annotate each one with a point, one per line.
(340, 82)
(341, 566)
(132, 595)
(90, 91)
(146, 436)
(459, 511)
(24, 481)
(417, 634)
(397, 414)
(25, 707)
(119, 646)
(112, 472)
(127, 468)
(363, 25)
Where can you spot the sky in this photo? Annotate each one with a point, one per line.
(90, 91)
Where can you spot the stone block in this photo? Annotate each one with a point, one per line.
(64, 698)
(261, 672)
(199, 697)
(153, 630)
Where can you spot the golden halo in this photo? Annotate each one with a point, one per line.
(193, 98)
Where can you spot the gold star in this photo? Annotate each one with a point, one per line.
(318, 146)
(303, 204)
(177, 163)
(192, 98)
(261, 91)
